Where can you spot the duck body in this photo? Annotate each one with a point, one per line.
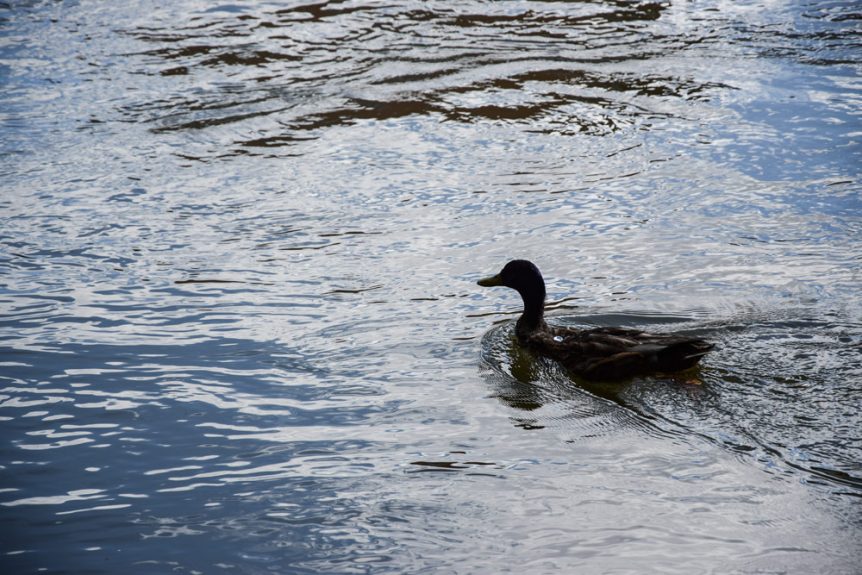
(604, 353)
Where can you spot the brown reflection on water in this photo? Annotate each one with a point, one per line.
(312, 68)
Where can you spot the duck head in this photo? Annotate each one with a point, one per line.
(524, 277)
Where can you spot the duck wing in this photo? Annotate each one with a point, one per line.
(619, 353)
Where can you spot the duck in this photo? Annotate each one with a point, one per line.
(598, 354)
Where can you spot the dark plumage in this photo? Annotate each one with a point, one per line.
(604, 353)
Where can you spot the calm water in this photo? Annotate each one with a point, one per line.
(240, 326)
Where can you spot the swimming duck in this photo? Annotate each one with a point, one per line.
(603, 353)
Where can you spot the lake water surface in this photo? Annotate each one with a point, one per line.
(239, 325)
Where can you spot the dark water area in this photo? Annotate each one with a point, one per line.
(239, 325)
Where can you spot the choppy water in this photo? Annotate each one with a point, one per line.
(240, 326)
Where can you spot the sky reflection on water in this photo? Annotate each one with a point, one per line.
(239, 327)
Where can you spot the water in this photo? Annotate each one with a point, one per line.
(240, 326)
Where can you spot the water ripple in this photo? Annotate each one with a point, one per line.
(803, 365)
(239, 325)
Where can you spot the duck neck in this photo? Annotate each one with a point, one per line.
(534, 311)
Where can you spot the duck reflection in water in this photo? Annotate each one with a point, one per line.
(527, 382)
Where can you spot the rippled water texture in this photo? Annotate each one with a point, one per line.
(239, 325)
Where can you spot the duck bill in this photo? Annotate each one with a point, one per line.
(490, 281)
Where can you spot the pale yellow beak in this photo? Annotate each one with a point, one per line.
(491, 281)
